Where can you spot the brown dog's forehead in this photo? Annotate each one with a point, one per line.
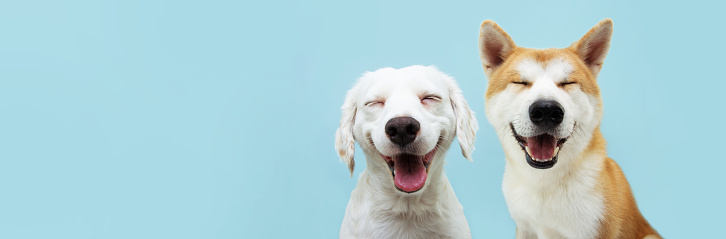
(508, 72)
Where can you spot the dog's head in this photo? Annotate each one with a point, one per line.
(543, 103)
(404, 120)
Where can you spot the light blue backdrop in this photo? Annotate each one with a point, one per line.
(216, 119)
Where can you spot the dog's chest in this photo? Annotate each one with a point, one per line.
(572, 209)
(371, 215)
(420, 227)
(380, 224)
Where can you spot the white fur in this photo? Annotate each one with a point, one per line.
(544, 87)
(376, 209)
(560, 202)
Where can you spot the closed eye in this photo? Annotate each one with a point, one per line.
(374, 103)
(430, 99)
(567, 83)
(524, 83)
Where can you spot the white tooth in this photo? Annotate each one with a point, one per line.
(557, 150)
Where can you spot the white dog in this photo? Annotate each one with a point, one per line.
(404, 120)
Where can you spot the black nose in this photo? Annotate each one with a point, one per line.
(546, 113)
(402, 130)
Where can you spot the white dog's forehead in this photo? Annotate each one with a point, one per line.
(410, 80)
(555, 70)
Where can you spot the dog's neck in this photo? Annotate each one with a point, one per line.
(377, 184)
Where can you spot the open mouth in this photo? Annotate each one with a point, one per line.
(409, 171)
(540, 151)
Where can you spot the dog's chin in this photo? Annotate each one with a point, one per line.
(409, 171)
(540, 151)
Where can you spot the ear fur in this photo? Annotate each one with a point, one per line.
(344, 140)
(594, 45)
(495, 46)
(466, 124)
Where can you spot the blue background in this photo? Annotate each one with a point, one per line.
(216, 119)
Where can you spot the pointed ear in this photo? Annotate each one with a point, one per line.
(344, 140)
(466, 124)
(593, 47)
(495, 46)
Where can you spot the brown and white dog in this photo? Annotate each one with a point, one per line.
(546, 108)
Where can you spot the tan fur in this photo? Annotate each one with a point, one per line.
(622, 219)
(505, 74)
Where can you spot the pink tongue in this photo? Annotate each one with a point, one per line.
(542, 146)
(410, 173)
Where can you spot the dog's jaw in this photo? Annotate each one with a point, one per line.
(540, 151)
(382, 167)
(412, 170)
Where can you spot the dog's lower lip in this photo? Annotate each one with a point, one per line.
(538, 163)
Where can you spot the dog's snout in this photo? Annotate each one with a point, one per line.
(546, 113)
(402, 130)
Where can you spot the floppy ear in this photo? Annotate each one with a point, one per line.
(495, 46)
(344, 140)
(593, 47)
(466, 124)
